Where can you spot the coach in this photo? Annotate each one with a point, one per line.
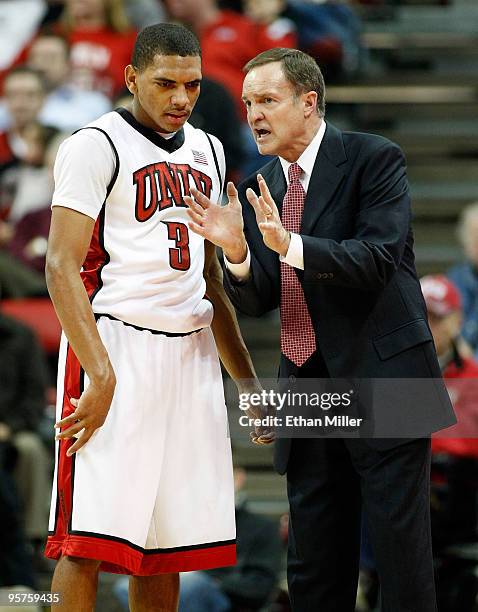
(324, 232)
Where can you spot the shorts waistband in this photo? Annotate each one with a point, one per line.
(153, 331)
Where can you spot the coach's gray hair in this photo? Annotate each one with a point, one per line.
(300, 69)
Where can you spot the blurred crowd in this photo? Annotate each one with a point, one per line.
(61, 66)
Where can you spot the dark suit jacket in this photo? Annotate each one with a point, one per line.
(359, 276)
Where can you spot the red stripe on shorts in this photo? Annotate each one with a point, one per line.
(120, 557)
(64, 482)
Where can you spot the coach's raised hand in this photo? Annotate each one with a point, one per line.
(275, 236)
(221, 225)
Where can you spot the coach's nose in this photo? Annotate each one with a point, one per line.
(254, 114)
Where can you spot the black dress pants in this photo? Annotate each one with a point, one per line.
(329, 481)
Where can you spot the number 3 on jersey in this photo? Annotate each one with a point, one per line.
(179, 256)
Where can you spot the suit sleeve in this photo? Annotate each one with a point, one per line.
(370, 258)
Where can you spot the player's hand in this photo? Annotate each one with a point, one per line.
(263, 435)
(91, 410)
(221, 225)
(260, 434)
(275, 236)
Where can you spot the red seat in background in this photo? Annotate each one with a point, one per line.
(40, 316)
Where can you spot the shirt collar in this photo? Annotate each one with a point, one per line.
(307, 159)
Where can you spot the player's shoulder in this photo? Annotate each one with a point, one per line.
(197, 135)
(95, 135)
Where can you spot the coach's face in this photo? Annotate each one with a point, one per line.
(280, 120)
(165, 92)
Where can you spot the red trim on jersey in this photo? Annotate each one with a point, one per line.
(95, 259)
(122, 558)
(64, 499)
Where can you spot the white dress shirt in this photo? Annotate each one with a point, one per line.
(295, 253)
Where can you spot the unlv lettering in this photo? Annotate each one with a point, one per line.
(162, 185)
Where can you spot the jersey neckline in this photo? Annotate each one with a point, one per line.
(168, 144)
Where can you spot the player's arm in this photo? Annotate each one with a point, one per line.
(227, 334)
(69, 239)
(230, 344)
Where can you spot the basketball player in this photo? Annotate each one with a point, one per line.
(143, 477)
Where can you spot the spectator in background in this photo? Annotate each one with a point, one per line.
(19, 21)
(143, 13)
(269, 13)
(454, 474)
(465, 275)
(23, 374)
(25, 186)
(15, 562)
(66, 107)
(246, 586)
(228, 40)
(24, 93)
(445, 316)
(330, 31)
(101, 41)
(29, 237)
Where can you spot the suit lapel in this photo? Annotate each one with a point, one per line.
(325, 179)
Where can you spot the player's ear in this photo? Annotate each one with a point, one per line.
(130, 76)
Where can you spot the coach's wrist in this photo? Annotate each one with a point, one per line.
(238, 253)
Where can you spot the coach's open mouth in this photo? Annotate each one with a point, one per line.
(260, 134)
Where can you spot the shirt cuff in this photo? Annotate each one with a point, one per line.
(242, 270)
(295, 253)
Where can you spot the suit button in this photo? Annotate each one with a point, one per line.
(331, 275)
(292, 378)
(319, 275)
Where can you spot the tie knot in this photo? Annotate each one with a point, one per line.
(294, 172)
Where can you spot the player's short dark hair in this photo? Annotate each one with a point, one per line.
(163, 39)
(300, 69)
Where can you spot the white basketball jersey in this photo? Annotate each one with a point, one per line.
(144, 266)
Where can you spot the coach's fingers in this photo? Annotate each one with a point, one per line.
(268, 210)
(198, 219)
(197, 229)
(200, 198)
(265, 193)
(232, 194)
(262, 212)
(199, 210)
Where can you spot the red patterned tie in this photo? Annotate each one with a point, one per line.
(297, 338)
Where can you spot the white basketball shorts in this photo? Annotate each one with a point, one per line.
(152, 491)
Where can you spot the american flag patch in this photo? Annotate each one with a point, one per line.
(199, 157)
